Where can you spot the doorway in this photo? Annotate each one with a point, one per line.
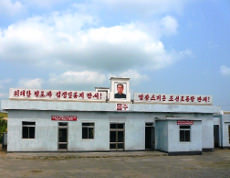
(117, 135)
(62, 136)
(149, 136)
(216, 136)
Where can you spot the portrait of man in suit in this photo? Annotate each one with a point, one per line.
(120, 90)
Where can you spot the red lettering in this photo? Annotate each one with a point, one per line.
(141, 96)
(147, 97)
(49, 93)
(81, 95)
(64, 94)
(70, 94)
(153, 98)
(36, 93)
(28, 93)
(159, 97)
(16, 93)
(22, 93)
(96, 95)
(75, 95)
(42, 94)
(187, 98)
(171, 98)
(58, 94)
(89, 95)
(177, 98)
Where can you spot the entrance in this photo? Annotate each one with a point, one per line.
(216, 136)
(117, 135)
(62, 136)
(149, 136)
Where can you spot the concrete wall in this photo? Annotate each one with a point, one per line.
(207, 132)
(161, 131)
(174, 144)
(46, 132)
(226, 123)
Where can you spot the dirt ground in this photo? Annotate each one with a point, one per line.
(135, 164)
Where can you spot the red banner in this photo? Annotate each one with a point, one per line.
(64, 118)
(184, 122)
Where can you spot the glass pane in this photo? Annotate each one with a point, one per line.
(62, 135)
(91, 133)
(87, 124)
(112, 136)
(149, 124)
(31, 132)
(120, 145)
(62, 123)
(181, 135)
(84, 133)
(25, 132)
(120, 126)
(113, 126)
(185, 127)
(62, 146)
(121, 136)
(187, 135)
(112, 146)
(28, 123)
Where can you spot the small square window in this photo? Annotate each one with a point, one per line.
(28, 129)
(185, 132)
(87, 130)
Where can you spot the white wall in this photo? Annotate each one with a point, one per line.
(207, 132)
(46, 132)
(174, 144)
(226, 119)
(161, 135)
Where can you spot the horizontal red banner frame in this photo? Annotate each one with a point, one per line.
(184, 122)
(63, 118)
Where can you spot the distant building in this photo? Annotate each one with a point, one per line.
(55, 120)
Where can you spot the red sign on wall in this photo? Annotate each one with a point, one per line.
(64, 118)
(122, 107)
(184, 122)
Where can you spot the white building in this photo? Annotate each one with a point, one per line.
(104, 120)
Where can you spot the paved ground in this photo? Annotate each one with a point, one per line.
(122, 164)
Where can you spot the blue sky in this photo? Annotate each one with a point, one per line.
(164, 46)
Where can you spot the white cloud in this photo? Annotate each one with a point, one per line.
(134, 75)
(225, 70)
(71, 79)
(9, 7)
(31, 83)
(69, 41)
(145, 6)
(169, 25)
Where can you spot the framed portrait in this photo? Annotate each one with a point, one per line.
(120, 90)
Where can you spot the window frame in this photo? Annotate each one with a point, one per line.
(91, 125)
(229, 134)
(27, 125)
(187, 128)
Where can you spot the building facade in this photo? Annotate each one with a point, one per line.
(113, 119)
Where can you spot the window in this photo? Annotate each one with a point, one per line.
(87, 130)
(185, 133)
(229, 133)
(28, 129)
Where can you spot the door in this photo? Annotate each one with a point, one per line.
(149, 136)
(117, 135)
(216, 136)
(62, 136)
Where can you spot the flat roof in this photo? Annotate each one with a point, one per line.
(120, 78)
(106, 107)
